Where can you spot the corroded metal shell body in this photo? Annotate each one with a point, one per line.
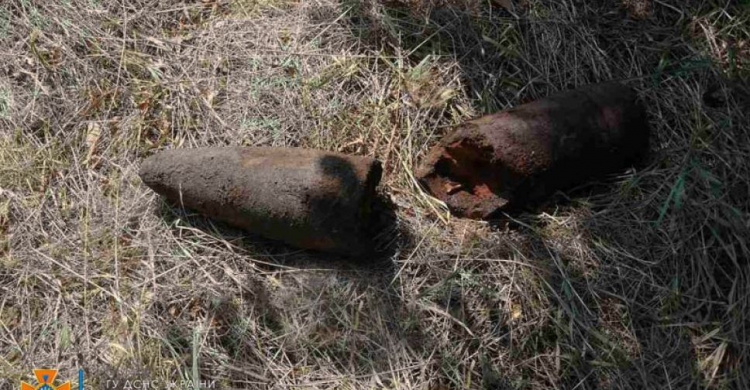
(307, 198)
(523, 154)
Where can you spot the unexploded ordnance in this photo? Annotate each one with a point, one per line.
(523, 154)
(307, 198)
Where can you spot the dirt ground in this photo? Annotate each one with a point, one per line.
(638, 281)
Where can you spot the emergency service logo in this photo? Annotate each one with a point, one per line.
(45, 381)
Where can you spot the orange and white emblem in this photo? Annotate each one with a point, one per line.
(45, 381)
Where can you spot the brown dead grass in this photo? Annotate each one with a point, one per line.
(642, 283)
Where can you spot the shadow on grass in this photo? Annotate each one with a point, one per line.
(338, 308)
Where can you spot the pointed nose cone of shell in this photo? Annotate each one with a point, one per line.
(149, 169)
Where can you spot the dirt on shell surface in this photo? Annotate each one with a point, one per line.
(308, 198)
(524, 154)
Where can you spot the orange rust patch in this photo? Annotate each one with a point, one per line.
(252, 161)
(482, 191)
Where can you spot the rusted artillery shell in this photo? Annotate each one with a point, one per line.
(520, 155)
(308, 198)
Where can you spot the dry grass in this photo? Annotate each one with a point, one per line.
(642, 282)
